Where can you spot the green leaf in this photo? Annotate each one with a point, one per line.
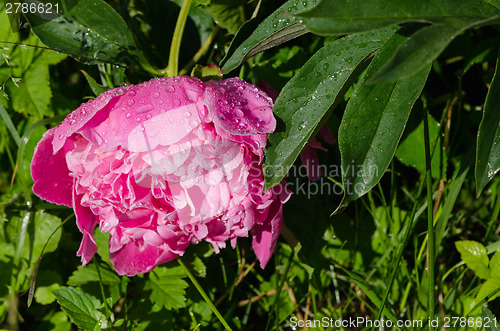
(421, 49)
(305, 100)
(82, 308)
(34, 93)
(94, 85)
(368, 146)
(495, 265)
(351, 16)
(167, 287)
(226, 13)
(487, 315)
(410, 150)
(276, 29)
(43, 294)
(475, 257)
(489, 286)
(87, 274)
(91, 32)
(488, 137)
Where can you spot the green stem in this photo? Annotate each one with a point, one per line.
(173, 59)
(204, 295)
(430, 222)
(274, 309)
(400, 252)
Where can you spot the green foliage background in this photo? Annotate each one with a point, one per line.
(408, 89)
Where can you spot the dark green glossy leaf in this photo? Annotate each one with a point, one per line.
(488, 137)
(167, 287)
(307, 97)
(350, 16)
(474, 256)
(91, 31)
(276, 29)
(423, 47)
(80, 307)
(373, 123)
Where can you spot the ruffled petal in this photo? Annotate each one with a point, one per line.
(50, 173)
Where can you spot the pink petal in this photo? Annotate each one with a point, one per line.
(86, 222)
(50, 172)
(266, 235)
(239, 108)
(132, 259)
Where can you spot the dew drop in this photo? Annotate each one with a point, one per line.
(128, 115)
(193, 123)
(148, 116)
(156, 95)
(72, 122)
(131, 93)
(238, 113)
(326, 66)
(170, 89)
(138, 119)
(176, 103)
(186, 114)
(61, 136)
(144, 109)
(120, 91)
(130, 102)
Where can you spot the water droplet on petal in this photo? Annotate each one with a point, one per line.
(120, 91)
(176, 103)
(193, 123)
(148, 116)
(186, 114)
(131, 93)
(72, 122)
(156, 95)
(238, 113)
(128, 115)
(138, 119)
(61, 136)
(130, 102)
(144, 109)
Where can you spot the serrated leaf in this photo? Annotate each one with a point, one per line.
(87, 274)
(276, 29)
(488, 137)
(474, 256)
(307, 97)
(351, 16)
(167, 287)
(82, 308)
(92, 31)
(373, 123)
(34, 93)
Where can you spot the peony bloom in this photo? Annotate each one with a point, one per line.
(161, 165)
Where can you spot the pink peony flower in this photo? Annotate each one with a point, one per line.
(161, 165)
